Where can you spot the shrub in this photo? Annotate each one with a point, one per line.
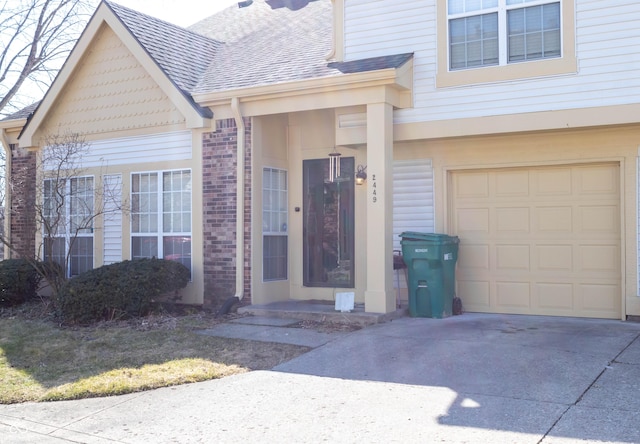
(121, 290)
(19, 282)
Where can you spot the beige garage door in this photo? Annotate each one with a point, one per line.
(542, 240)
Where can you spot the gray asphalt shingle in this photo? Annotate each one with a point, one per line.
(267, 46)
(264, 42)
(183, 54)
(253, 43)
(24, 113)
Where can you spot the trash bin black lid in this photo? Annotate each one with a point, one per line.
(429, 237)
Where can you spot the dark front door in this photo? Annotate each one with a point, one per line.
(328, 243)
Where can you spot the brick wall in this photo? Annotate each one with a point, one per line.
(219, 212)
(22, 206)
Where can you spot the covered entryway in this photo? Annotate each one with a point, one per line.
(539, 240)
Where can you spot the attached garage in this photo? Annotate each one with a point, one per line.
(543, 240)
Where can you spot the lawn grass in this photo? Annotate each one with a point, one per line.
(41, 361)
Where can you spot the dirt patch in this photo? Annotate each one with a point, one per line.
(165, 317)
(326, 327)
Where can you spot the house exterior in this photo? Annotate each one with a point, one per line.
(512, 124)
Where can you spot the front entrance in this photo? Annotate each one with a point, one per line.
(328, 227)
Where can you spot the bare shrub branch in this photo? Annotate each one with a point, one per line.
(66, 203)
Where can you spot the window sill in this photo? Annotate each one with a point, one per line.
(515, 71)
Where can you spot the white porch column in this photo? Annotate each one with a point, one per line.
(379, 296)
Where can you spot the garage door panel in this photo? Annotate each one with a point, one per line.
(470, 220)
(477, 294)
(474, 257)
(597, 180)
(553, 182)
(512, 183)
(513, 295)
(599, 258)
(556, 258)
(513, 257)
(512, 220)
(555, 296)
(598, 298)
(474, 185)
(599, 218)
(544, 240)
(554, 219)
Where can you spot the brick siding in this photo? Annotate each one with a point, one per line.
(219, 212)
(22, 206)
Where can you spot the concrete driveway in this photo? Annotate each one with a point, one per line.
(468, 379)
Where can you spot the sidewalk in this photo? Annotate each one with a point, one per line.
(472, 378)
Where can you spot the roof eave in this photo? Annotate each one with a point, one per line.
(14, 124)
(399, 79)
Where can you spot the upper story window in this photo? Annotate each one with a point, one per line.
(488, 40)
(495, 32)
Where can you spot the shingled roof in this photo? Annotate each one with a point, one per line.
(24, 113)
(183, 54)
(254, 43)
(267, 45)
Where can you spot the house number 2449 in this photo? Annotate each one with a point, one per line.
(374, 188)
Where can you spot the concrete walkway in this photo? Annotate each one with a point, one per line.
(467, 379)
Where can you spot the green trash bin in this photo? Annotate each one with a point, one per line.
(431, 262)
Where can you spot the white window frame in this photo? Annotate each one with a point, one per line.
(160, 233)
(502, 10)
(567, 64)
(275, 208)
(65, 227)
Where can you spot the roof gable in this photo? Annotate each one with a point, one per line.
(175, 89)
(111, 91)
(183, 54)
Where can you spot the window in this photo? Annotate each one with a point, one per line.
(493, 32)
(274, 224)
(488, 40)
(68, 223)
(161, 215)
(533, 32)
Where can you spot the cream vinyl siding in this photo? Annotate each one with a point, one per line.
(543, 240)
(112, 233)
(165, 146)
(606, 46)
(413, 208)
(110, 90)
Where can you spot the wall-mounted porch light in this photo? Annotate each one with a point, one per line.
(361, 175)
(334, 165)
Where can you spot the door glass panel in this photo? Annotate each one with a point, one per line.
(328, 244)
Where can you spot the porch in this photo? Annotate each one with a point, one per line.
(319, 310)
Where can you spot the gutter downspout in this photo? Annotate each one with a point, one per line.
(240, 176)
